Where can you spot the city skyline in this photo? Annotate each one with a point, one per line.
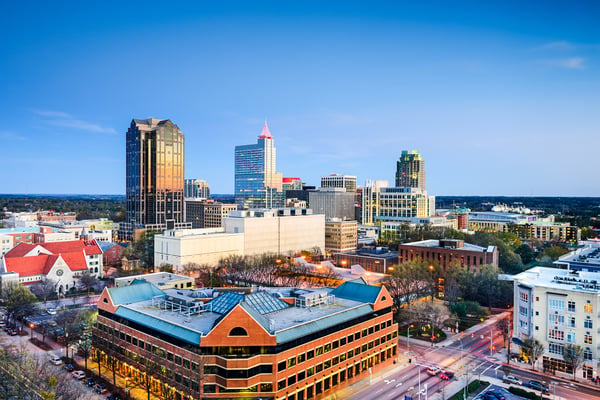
(503, 94)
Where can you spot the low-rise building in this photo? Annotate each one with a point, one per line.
(272, 343)
(244, 232)
(162, 280)
(372, 259)
(559, 307)
(586, 258)
(62, 262)
(111, 253)
(449, 251)
(547, 231)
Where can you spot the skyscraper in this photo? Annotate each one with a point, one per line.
(196, 188)
(339, 181)
(257, 184)
(154, 176)
(410, 170)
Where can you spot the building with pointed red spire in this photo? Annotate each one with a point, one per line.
(257, 182)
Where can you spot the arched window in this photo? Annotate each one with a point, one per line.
(238, 331)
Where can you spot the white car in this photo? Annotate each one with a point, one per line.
(56, 360)
(51, 311)
(511, 379)
(78, 375)
(433, 370)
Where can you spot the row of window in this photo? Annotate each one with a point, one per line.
(335, 378)
(337, 343)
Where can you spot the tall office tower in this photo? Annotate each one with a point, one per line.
(257, 184)
(196, 189)
(154, 181)
(339, 181)
(410, 170)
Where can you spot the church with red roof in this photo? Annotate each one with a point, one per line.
(62, 262)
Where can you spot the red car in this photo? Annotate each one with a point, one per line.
(447, 375)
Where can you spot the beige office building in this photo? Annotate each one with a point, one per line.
(244, 232)
(340, 236)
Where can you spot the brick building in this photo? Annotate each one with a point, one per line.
(448, 251)
(272, 343)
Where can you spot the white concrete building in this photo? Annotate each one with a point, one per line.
(245, 232)
(559, 307)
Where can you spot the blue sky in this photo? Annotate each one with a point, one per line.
(501, 98)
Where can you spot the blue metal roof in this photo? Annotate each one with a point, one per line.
(177, 331)
(104, 246)
(357, 292)
(134, 293)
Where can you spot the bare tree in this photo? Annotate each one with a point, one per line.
(87, 281)
(573, 356)
(533, 349)
(44, 289)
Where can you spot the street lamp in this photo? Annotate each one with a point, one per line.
(127, 387)
(31, 330)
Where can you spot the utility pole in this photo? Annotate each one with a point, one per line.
(509, 340)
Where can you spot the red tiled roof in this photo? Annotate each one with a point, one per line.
(27, 266)
(72, 252)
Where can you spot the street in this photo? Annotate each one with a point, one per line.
(469, 358)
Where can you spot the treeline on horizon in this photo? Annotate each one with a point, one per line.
(578, 211)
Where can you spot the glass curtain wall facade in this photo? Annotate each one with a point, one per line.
(410, 170)
(257, 184)
(155, 171)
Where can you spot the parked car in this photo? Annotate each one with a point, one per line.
(100, 389)
(446, 375)
(433, 370)
(69, 367)
(511, 379)
(113, 397)
(537, 385)
(79, 375)
(90, 382)
(56, 360)
(12, 332)
(51, 311)
(496, 394)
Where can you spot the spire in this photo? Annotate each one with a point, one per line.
(265, 134)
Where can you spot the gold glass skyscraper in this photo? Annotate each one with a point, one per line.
(155, 176)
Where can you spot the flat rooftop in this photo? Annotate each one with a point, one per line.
(554, 278)
(190, 314)
(434, 243)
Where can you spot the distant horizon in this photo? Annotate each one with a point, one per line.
(232, 195)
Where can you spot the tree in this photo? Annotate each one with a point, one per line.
(44, 289)
(406, 282)
(533, 349)
(573, 356)
(19, 301)
(164, 267)
(88, 281)
(526, 253)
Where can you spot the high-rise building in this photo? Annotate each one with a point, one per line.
(410, 170)
(257, 184)
(333, 203)
(203, 213)
(339, 181)
(196, 189)
(154, 176)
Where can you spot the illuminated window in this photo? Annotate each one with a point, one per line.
(588, 308)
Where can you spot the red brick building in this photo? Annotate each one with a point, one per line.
(449, 251)
(273, 343)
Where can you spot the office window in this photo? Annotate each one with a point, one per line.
(587, 323)
(588, 308)
(571, 306)
(587, 338)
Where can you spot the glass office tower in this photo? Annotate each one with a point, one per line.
(410, 170)
(154, 176)
(257, 184)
